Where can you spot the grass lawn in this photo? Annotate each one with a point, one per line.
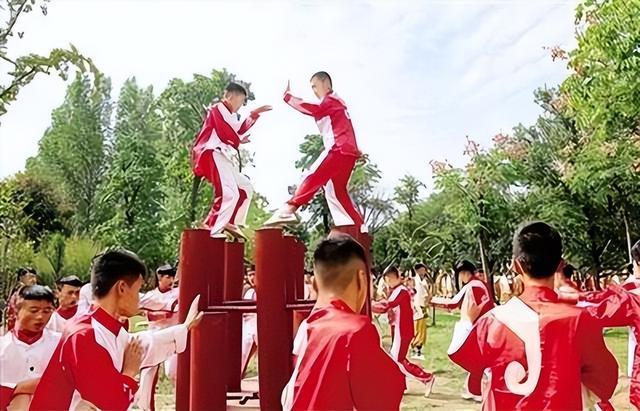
(449, 377)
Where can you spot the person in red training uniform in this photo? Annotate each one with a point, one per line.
(400, 312)
(333, 168)
(97, 359)
(564, 280)
(619, 306)
(26, 350)
(339, 363)
(475, 288)
(68, 295)
(212, 158)
(539, 351)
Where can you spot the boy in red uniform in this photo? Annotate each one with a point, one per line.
(400, 312)
(340, 364)
(539, 351)
(212, 158)
(333, 168)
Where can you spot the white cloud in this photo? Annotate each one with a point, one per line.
(418, 76)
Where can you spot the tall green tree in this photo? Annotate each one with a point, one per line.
(132, 194)
(72, 151)
(407, 193)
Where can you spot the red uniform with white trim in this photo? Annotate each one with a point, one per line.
(23, 357)
(212, 155)
(400, 312)
(340, 364)
(619, 306)
(333, 168)
(539, 351)
(85, 367)
(480, 292)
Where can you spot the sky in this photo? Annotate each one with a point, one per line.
(417, 76)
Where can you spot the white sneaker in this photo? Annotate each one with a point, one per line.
(281, 217)
(218, 235)
(466, 395)
(418, 357)
(235, 231)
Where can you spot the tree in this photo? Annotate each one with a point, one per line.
(72, 151)
(408, 193)
(23, 69)
(132, 193)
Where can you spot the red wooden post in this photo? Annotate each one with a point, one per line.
(274, 321)
(200, 255)
(233, 278)
(208, 382)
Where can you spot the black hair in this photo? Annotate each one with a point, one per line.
(537, 247)
(166, 269)
(419, 266)
(635, 252)
(25, 270)
(71, 280)
(334, 253)
(323, 75)
(392, 270)
(464, 265)
(112, 266)
(568, 271)
(235, 88)
(38, 293)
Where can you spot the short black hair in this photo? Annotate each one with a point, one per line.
(166, 269)
(235, 88)
(464, 265)
(323, 75)
(25, 270)
(635, 252)
(37, 292)
(71, 280)
(419, 266)
(112, 266)
(334, 253)
(568, 271)
(391, 270)
(537, 247)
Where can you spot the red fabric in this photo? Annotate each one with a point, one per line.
(6, 395)
(334, 110)
(480, 295)
(212, 175)
(617, 307)
(68, 313)
(241, 199)
(80, 363)
(27, 337)
(336, 167)
(215, 121)
(573, 351)
(343, 366)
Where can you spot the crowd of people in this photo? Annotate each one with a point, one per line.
(542, 349)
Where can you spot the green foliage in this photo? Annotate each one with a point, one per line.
(25, 68)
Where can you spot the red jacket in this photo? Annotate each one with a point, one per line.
(341, 366)
(333, 120)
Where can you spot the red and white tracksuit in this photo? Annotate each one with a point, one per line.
(211, 157)
(400, 312)
(333, 168)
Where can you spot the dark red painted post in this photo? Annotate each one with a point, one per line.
(274, 321)
(233, 279)
(200, 257)
(208, 382)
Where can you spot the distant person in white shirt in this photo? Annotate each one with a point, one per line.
(68, 296)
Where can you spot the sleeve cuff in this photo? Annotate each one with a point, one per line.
(287, 96)
(131, 383)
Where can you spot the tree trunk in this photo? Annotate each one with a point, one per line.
(628, 234)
